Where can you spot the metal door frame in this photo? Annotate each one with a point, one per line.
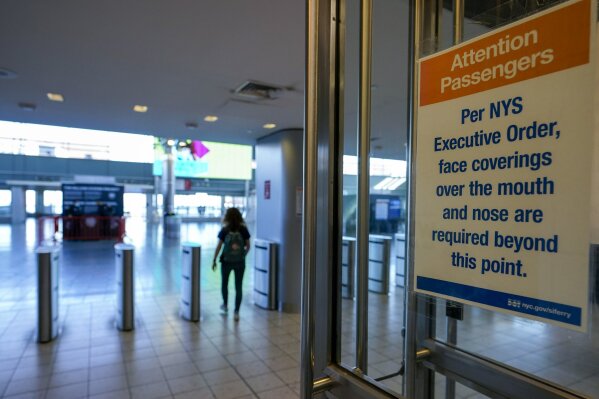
(322, 238)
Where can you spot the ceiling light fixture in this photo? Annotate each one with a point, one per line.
(211, 118)
(170, 142)
(269, 126)
(55, 97)
(140, 108)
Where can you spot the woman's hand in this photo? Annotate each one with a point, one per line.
(214, 265)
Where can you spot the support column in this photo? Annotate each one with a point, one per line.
(17, 205)
(158, 210)
(168, 180)
(247, 196)
(172, 223)
(150, 206)
(39, 201)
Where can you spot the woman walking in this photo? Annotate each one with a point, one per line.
(234, 239)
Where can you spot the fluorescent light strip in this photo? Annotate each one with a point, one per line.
(140, 108)
(55, 97)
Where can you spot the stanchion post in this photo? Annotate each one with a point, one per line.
(190, 281)
(125, 289)
(48, 259)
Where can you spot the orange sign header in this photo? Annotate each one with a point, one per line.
(550, 42)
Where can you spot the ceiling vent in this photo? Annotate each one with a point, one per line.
(7, 74)
(253, 90)
(27, 106)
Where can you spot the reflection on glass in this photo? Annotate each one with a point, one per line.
(545, 351)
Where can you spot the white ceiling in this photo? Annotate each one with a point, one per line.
(182, 58)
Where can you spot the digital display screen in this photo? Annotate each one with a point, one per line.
(207, 159)
(92, 199)
(394, 209)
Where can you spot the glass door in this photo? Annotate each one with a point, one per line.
(368, 328)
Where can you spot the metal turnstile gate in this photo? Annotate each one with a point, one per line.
(348, 268)
(400, 259)
(265, 274)
(125, 292)
(190, 281)
(379, 262)
(48, 261)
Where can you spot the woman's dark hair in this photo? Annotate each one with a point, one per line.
(233, 219)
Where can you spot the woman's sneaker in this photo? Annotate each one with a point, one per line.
(236, 316)
(224, 309)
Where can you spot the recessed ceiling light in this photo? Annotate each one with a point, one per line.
(171, 142)
(182, 143)
(140, 108)
(211, 118)
(269, 126)
(55, 97)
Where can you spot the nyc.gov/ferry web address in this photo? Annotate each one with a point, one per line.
(518, 304)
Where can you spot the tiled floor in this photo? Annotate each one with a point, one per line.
(258, 357)
(165, 356)
(551, 353)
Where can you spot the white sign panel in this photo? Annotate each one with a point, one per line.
(503, 169)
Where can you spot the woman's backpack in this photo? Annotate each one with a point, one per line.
(234, 248)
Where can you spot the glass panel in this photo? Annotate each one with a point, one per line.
(53, 201)
(5, 201)
(387, 191)
(551, 353)
(204, 205)
(350, 183)
(186, 205)
(135, 204)
(30, 201)
(461, 391)
(490, 14)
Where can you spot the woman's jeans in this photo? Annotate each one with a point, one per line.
(238, 269)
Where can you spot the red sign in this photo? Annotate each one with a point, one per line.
(267, 189)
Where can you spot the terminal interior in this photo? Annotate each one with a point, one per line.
(169, 114)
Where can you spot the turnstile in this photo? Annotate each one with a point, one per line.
(379, 261)
(265, 274)
(190, 281)
(400, 259)
(48, 262)
(125, 306)
(348, 267)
